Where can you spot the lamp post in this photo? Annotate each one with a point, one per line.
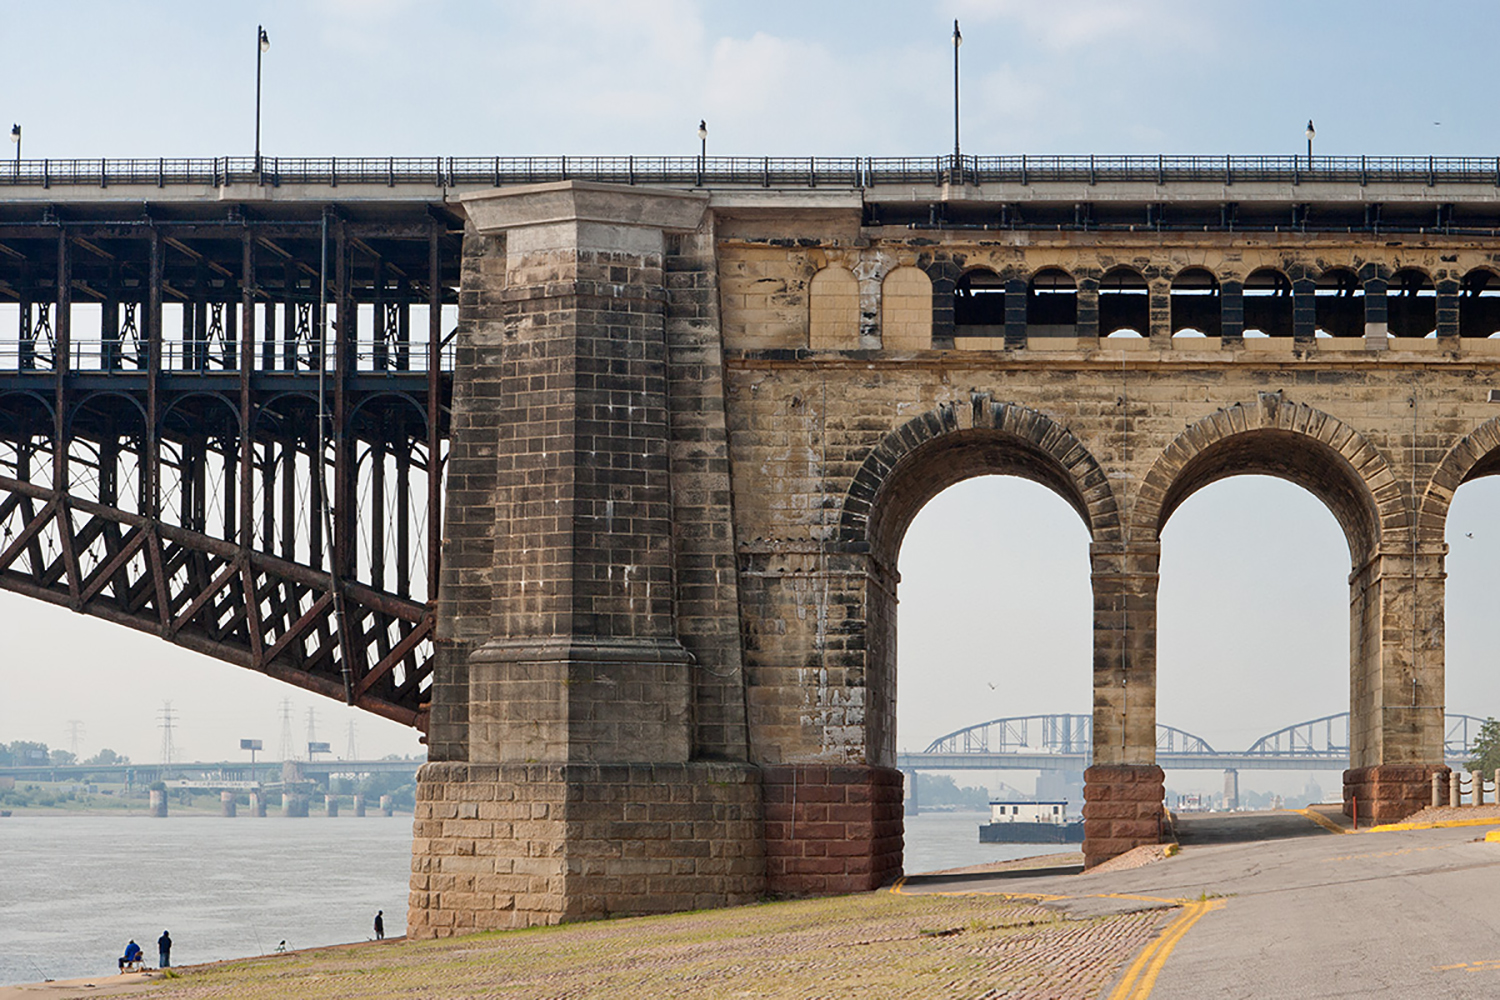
(702, 148)
(1310, 133)
(262, 46)
(958, 39)
(15, 137)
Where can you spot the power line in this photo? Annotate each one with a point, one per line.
(165, 717)
(288, 749)
(75, 733)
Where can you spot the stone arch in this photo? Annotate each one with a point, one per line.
(954, 442)
(906, 310)
(833, 310)
(1291, 441)
(1476, 455)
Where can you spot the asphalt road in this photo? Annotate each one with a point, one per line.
(1401, 913)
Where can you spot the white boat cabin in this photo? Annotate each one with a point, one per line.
(1029, 812)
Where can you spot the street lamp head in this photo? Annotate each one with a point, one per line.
(958, 37)
(702, 129)
(265, 40)
(15, 134)
(1310, 130)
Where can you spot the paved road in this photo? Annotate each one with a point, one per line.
(1410, 914)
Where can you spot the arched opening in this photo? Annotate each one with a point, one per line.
(1471, 682)
(1340, 303)
(1411, 304)
(979, 304)
(1362, 499)
(1479, 304)
(1124, 302)
(1195, 303)
(971, 652)
(917, 462)
(1268, 304)
(1253, 634)
(1052, 304)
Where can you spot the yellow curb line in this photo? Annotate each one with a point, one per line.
(1154, 956)
(1394, 827)
(1321, 820)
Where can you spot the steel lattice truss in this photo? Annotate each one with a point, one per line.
(160, 436)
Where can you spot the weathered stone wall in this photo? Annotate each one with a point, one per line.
(516, 845)
(680, 479)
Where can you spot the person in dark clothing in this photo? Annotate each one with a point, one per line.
(379, 925)
(132, 954)
(164, 947)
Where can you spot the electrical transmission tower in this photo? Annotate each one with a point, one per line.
(164, 720)
(312, 728)
(351, 752)
(75, 733)
(288, 749)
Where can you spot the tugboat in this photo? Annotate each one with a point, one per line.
(1031, 823)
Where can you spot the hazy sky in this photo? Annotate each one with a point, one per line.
(1254, 599)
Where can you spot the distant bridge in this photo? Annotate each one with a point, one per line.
(1062, 743)
(229, 771)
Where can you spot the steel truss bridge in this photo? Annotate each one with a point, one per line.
(1062, 743)
(161, 372)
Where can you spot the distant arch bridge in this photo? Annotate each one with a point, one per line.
(1063, 742)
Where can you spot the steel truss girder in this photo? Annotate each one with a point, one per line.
(215, 598)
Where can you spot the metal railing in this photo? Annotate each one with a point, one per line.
(755, 171)
(215, 356)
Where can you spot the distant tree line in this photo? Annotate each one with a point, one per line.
(26, 753)
(934, 790)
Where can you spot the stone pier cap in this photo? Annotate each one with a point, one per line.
(585, 214)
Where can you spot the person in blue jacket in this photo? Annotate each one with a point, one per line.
(164, 949)
(132, 954)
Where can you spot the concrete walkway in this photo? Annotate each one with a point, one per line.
(1400, 913)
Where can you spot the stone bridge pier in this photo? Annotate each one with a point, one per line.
(689, 434)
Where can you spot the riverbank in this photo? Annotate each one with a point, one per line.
(873, 945)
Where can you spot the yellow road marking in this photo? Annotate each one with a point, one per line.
(1140, 978)
(1321, 820)
(1392, 827)
(1488, 965)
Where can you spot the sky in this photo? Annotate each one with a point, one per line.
(1254, 600)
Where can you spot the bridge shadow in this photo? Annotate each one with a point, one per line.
(1195, 829)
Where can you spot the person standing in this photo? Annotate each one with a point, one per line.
(164, 948)
(379, 925)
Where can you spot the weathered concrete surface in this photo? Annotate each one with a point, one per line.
(1371, 914)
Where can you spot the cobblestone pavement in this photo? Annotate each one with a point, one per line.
(871, 946)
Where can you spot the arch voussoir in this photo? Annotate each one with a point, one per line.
(1366, 498)
(1455, 468)
(1075, 472)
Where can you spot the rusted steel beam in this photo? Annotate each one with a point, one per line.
(104, 574)
(395, 656)
(205, 595)
(28, 532)
(300, 626)
(434, 443)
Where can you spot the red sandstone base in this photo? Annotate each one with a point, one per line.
(1388, 793)
(831, 829)
(1122, 809)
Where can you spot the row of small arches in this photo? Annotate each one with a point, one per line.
(1047, 302)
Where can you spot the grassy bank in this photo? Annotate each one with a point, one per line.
(873, 945)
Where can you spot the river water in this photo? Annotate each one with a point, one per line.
(74, 889)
